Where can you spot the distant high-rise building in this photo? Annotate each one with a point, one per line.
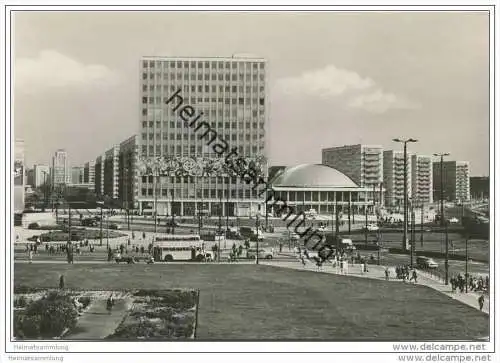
(227, 99)
(77, 175)
(111, 170)
(128, 183)
(19, 176)
(39, 175)
(60, 172)
(421, 179)
(479, 187)
(89, 172)
(362, 163)
(99, 175)
(394, 177)
(456, 180)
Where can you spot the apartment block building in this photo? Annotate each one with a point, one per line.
(456, 180)
(128, 176)
(60, 171)
(362, 163)
(77, 175)
(89, 172)
(111, 172)
(394, 177)
(39, 175)
(229, 97)
(479, 187)
(421, 179)
(19, 175)
(99, 175)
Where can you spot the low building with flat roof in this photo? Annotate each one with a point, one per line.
(319, 187)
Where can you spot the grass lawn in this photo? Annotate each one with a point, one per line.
(249, 302)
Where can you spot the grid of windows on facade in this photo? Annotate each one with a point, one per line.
(229, 94)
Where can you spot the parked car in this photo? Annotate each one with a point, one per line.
(426, 262)
(33, 226)
(454, 220)
(264, 254)
(114, 226)
(372, 227)
(89, 222)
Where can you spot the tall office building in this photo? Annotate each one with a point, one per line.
(421, 179)
(128, 181)
(479, 187)
(77, 175)
(60, 172)
(89, 172)
(40, 175)
(111, 172)
(19, 176)
(456, 180)
(189, 106)
(99, 176)
(394, 177)
(362, 163)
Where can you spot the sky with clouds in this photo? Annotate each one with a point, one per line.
(335, 78)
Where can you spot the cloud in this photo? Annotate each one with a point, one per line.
(332, 82)
(380, 102)
(326, 82)
(51, 69)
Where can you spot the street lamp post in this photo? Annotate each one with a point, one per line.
(405, 183)
(107, 231)
(44, 190)
(443, 221)
(422, 225)
(349, 215)
(257, 231)
(69, 223)
(172, 212)
(156, 178)
(100, 228)
(227, 204)
(337, 226)
(441, 183)
(466, 262)
(412, 246)
(366, 224)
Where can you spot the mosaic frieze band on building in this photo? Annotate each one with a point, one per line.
(200, 166)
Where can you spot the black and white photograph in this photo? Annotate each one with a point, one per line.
(198, 178)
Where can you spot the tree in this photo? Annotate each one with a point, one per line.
(49, 317)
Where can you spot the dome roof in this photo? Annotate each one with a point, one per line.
(313, 176)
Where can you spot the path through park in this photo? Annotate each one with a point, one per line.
(97, 322)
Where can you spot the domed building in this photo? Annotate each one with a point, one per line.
(319, 187)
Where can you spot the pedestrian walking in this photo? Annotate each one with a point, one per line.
(414, 276)
(61, 282)
(109, 303)
(386, 274)
(30, 256)
(480, 300)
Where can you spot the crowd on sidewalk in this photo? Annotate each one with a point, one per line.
(470, 283)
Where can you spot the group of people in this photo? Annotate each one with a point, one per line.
(471, 282)
(403, 273)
